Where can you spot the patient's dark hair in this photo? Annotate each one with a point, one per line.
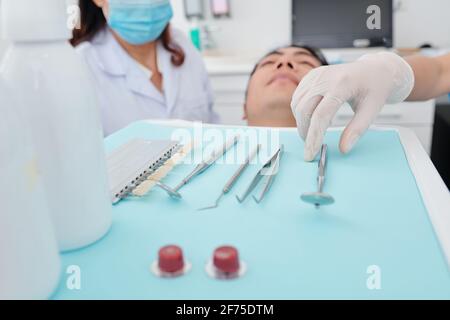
(93, 21)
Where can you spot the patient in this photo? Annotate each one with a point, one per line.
(273, 82)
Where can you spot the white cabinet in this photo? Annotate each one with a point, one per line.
(229, 82)
(229, 93)
(417, 116)
(229, 78)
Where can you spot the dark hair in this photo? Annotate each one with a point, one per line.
(316, 53)
(93, 21)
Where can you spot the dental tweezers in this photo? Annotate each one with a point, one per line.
(268, 171)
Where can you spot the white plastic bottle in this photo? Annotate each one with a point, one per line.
(29, 261)
(58, 102)
(3, 43)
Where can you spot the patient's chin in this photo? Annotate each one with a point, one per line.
(280, 93)
(279, 102)
(272, 115)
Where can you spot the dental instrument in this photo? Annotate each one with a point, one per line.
(269, 170)
(231, 182)
(200, 168)
(172, 193)
(319, 198)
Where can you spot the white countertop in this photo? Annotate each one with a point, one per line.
(225, 64)
(229, 65)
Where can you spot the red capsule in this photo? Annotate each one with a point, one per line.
(170, 259)
(226, 259)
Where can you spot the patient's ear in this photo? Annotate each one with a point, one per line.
(244, 117)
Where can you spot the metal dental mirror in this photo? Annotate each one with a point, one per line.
(319, 198)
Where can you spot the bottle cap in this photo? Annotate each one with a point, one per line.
(226, 259)
(170, 259)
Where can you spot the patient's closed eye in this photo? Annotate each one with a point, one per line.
(266, 63)
(305, 63)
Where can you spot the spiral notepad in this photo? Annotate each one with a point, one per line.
(133, 163)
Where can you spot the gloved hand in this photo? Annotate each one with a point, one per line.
(367, 85)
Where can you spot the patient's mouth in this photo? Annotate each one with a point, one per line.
(284, 77)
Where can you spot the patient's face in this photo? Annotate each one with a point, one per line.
(272, 85)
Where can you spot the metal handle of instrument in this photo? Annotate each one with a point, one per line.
(221, 151)
(322, 167)
(206, 164)
(241, 169)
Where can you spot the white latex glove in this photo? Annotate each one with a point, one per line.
(367, 85)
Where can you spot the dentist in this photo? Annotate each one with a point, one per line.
(143, 68)
(367, 85)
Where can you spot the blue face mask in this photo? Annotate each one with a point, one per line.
(139, 21)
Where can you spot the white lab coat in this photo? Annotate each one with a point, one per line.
(126, 93)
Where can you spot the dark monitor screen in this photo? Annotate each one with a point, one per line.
(338, 23)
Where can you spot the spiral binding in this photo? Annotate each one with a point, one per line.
(127, 190)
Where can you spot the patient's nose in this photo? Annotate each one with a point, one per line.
(285, 64)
